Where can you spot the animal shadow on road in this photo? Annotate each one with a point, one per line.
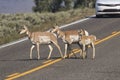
(34, 59)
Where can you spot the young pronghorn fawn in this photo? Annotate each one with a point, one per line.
(85, 41)
(69, 37)
(38, 38)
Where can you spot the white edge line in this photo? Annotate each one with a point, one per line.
(73, 23)
(77, 21)
(23, 39)
(12, 43)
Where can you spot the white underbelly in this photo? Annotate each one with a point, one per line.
(74, 38)
(44, 39)
(86, 42)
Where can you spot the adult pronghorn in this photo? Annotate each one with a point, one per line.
(85, 41)
(69, 37)
(38, 38)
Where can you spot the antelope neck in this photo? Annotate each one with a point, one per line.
(61, 33)
(29, 34)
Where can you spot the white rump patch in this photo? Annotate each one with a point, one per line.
(74, 38)
(44, 39)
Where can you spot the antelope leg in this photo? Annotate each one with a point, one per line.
(69, 46)
(51, 49)
(86, 49)
(84, 52)
(66, 46)
(32, 47)
(80, 49)
(93, 51)
(38, 50)
(58, 49)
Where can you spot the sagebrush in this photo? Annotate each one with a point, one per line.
(10, 24)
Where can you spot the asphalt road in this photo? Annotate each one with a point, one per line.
(16, 65)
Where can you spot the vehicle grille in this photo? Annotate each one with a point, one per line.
(111, 5)
(111, 10)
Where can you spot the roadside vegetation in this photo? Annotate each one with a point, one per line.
(10, 24)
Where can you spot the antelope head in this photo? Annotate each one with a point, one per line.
(24, 30)
(55, 29)
(83, 32)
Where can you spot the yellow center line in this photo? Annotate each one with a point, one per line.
(114, 32)
(104, 39)
(75, 49)
(57, 60)
(35, 69)
(13, 75)
(78, 50)
(47, 61)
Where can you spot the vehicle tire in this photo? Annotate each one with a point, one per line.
(99, 16)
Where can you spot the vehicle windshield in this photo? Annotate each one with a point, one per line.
(109, 1)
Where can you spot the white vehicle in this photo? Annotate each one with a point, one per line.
(107, 7)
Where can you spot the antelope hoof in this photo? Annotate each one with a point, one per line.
(83, 57)
(86, 56)
(93, 58)
(68, 56)
(65, 56)
(48, 58)
(38, 58)
(30, 57)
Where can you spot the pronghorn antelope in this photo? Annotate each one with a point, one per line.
(38, 38)
(69, 37)
(85, 41)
